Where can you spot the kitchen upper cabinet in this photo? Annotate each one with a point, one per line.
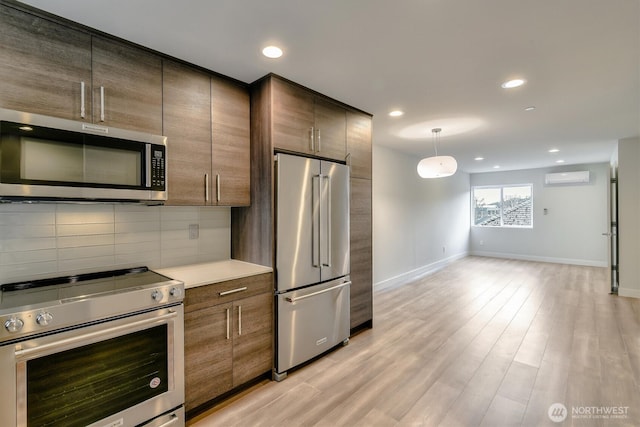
(206, 120)
(359, 144)
(186, 118)
(306, 123)
(127, 86)
(230, 131)
(228, 336)
(44, 66)
(56, 70)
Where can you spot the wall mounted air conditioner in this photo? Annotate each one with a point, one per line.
(576, 177)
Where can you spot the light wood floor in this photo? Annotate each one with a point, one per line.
(483, 342)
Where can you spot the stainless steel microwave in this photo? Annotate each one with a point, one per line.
(45, 158)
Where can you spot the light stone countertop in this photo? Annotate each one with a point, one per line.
(194, 275)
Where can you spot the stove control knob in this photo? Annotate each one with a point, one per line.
(176, 292)
(44, 318)
(157, 295)
(14, 324)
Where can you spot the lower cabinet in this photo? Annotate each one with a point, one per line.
(228, 336)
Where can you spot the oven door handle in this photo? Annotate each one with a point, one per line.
(68, 343)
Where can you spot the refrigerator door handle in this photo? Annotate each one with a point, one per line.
(313, 294)
(326, 207)
(315, 223)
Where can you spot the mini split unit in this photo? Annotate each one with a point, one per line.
(576, 177)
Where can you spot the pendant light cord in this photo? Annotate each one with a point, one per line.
(436, 136)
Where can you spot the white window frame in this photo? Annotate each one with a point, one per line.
(501, 187)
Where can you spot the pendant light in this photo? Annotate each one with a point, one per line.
(438, 166)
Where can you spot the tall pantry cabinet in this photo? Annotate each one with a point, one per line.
(286, 117)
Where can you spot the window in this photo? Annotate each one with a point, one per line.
(503, 206)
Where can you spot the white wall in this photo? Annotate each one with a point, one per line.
(570, 233)
(629, 217)
(418, 224)
(45, 240)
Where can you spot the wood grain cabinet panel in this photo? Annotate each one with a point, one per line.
(43, 65)
(228, 338)
(293, 117)
(127, 86)
(186, 120)
(359, 144)
(230, 130)
(361, 252)
(252, 342)
(306, 123)
(208, 354)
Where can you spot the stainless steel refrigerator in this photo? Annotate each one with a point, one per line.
(312, 259)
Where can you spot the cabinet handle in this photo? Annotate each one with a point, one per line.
(206, 187)
(218, 187)
(228, 324)
(239, 320)
(233, 291)
(311, 139)
(82, 110)
(102, 103)
(319, 142)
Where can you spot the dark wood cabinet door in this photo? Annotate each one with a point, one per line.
(253, 337)
(187, 124)
(292, 117)
(127, 86)
(230, 125)
(207, 354)
(359, 144)
(43, 65)
(331, 129)
(361, 252)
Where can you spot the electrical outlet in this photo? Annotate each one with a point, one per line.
(194, 231)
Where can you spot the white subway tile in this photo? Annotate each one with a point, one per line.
(84, 229)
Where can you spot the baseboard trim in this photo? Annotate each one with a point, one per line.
(584, 262)
(628, 292)
(417, 273)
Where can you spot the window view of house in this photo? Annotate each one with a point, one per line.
(506, 206)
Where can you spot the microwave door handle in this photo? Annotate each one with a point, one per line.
(147, 150)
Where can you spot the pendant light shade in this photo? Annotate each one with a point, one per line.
(437, 166)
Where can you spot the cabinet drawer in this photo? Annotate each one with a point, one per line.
(230, 290)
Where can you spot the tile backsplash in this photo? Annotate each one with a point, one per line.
(45, 240)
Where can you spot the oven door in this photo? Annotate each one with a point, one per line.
(123, 372)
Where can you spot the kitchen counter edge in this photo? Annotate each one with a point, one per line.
(194, 275)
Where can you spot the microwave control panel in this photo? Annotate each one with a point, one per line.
(158, 168)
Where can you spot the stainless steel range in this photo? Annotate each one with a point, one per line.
(100, 349)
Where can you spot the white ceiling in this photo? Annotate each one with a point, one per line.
(441, 61)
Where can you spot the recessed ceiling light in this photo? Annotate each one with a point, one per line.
(559, 161)
(530, 108)
(479, 158)
(396, 113)
(512, 83)
(272, 52)
(496, 167)
(554, 150)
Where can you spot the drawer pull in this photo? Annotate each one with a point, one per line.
(233, 291)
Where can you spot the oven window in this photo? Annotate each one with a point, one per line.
(86, 384)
